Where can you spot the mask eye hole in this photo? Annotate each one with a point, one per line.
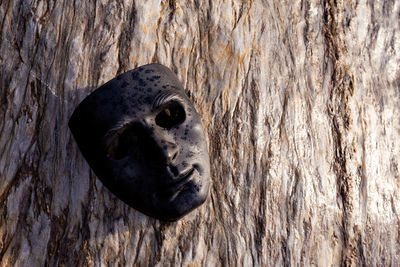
(123, 142)
(171, 115)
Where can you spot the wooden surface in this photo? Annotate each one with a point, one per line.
(300, 101)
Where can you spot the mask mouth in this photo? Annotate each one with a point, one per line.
(170, 191)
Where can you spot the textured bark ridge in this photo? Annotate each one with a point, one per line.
(300, 102)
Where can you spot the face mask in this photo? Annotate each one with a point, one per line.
(143, 138)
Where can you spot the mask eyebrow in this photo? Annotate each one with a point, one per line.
(165, 97)
(117, 127)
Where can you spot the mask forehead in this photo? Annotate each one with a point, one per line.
(128, 96)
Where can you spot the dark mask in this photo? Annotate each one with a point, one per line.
(143, 138)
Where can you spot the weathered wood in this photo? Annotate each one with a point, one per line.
(300, 101)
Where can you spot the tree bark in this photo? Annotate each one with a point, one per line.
(300, 102)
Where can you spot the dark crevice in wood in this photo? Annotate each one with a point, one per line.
(341, 90)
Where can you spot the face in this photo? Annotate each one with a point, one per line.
(143, 138)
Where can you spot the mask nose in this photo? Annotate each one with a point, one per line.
(169, 151)
(167, 148)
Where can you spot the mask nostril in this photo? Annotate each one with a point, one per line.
(171, 153)
(174, 156)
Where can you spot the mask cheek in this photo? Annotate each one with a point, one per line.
(121, 171)
(194, 131)
(130, 180)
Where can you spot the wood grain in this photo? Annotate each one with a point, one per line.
(300, 101)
